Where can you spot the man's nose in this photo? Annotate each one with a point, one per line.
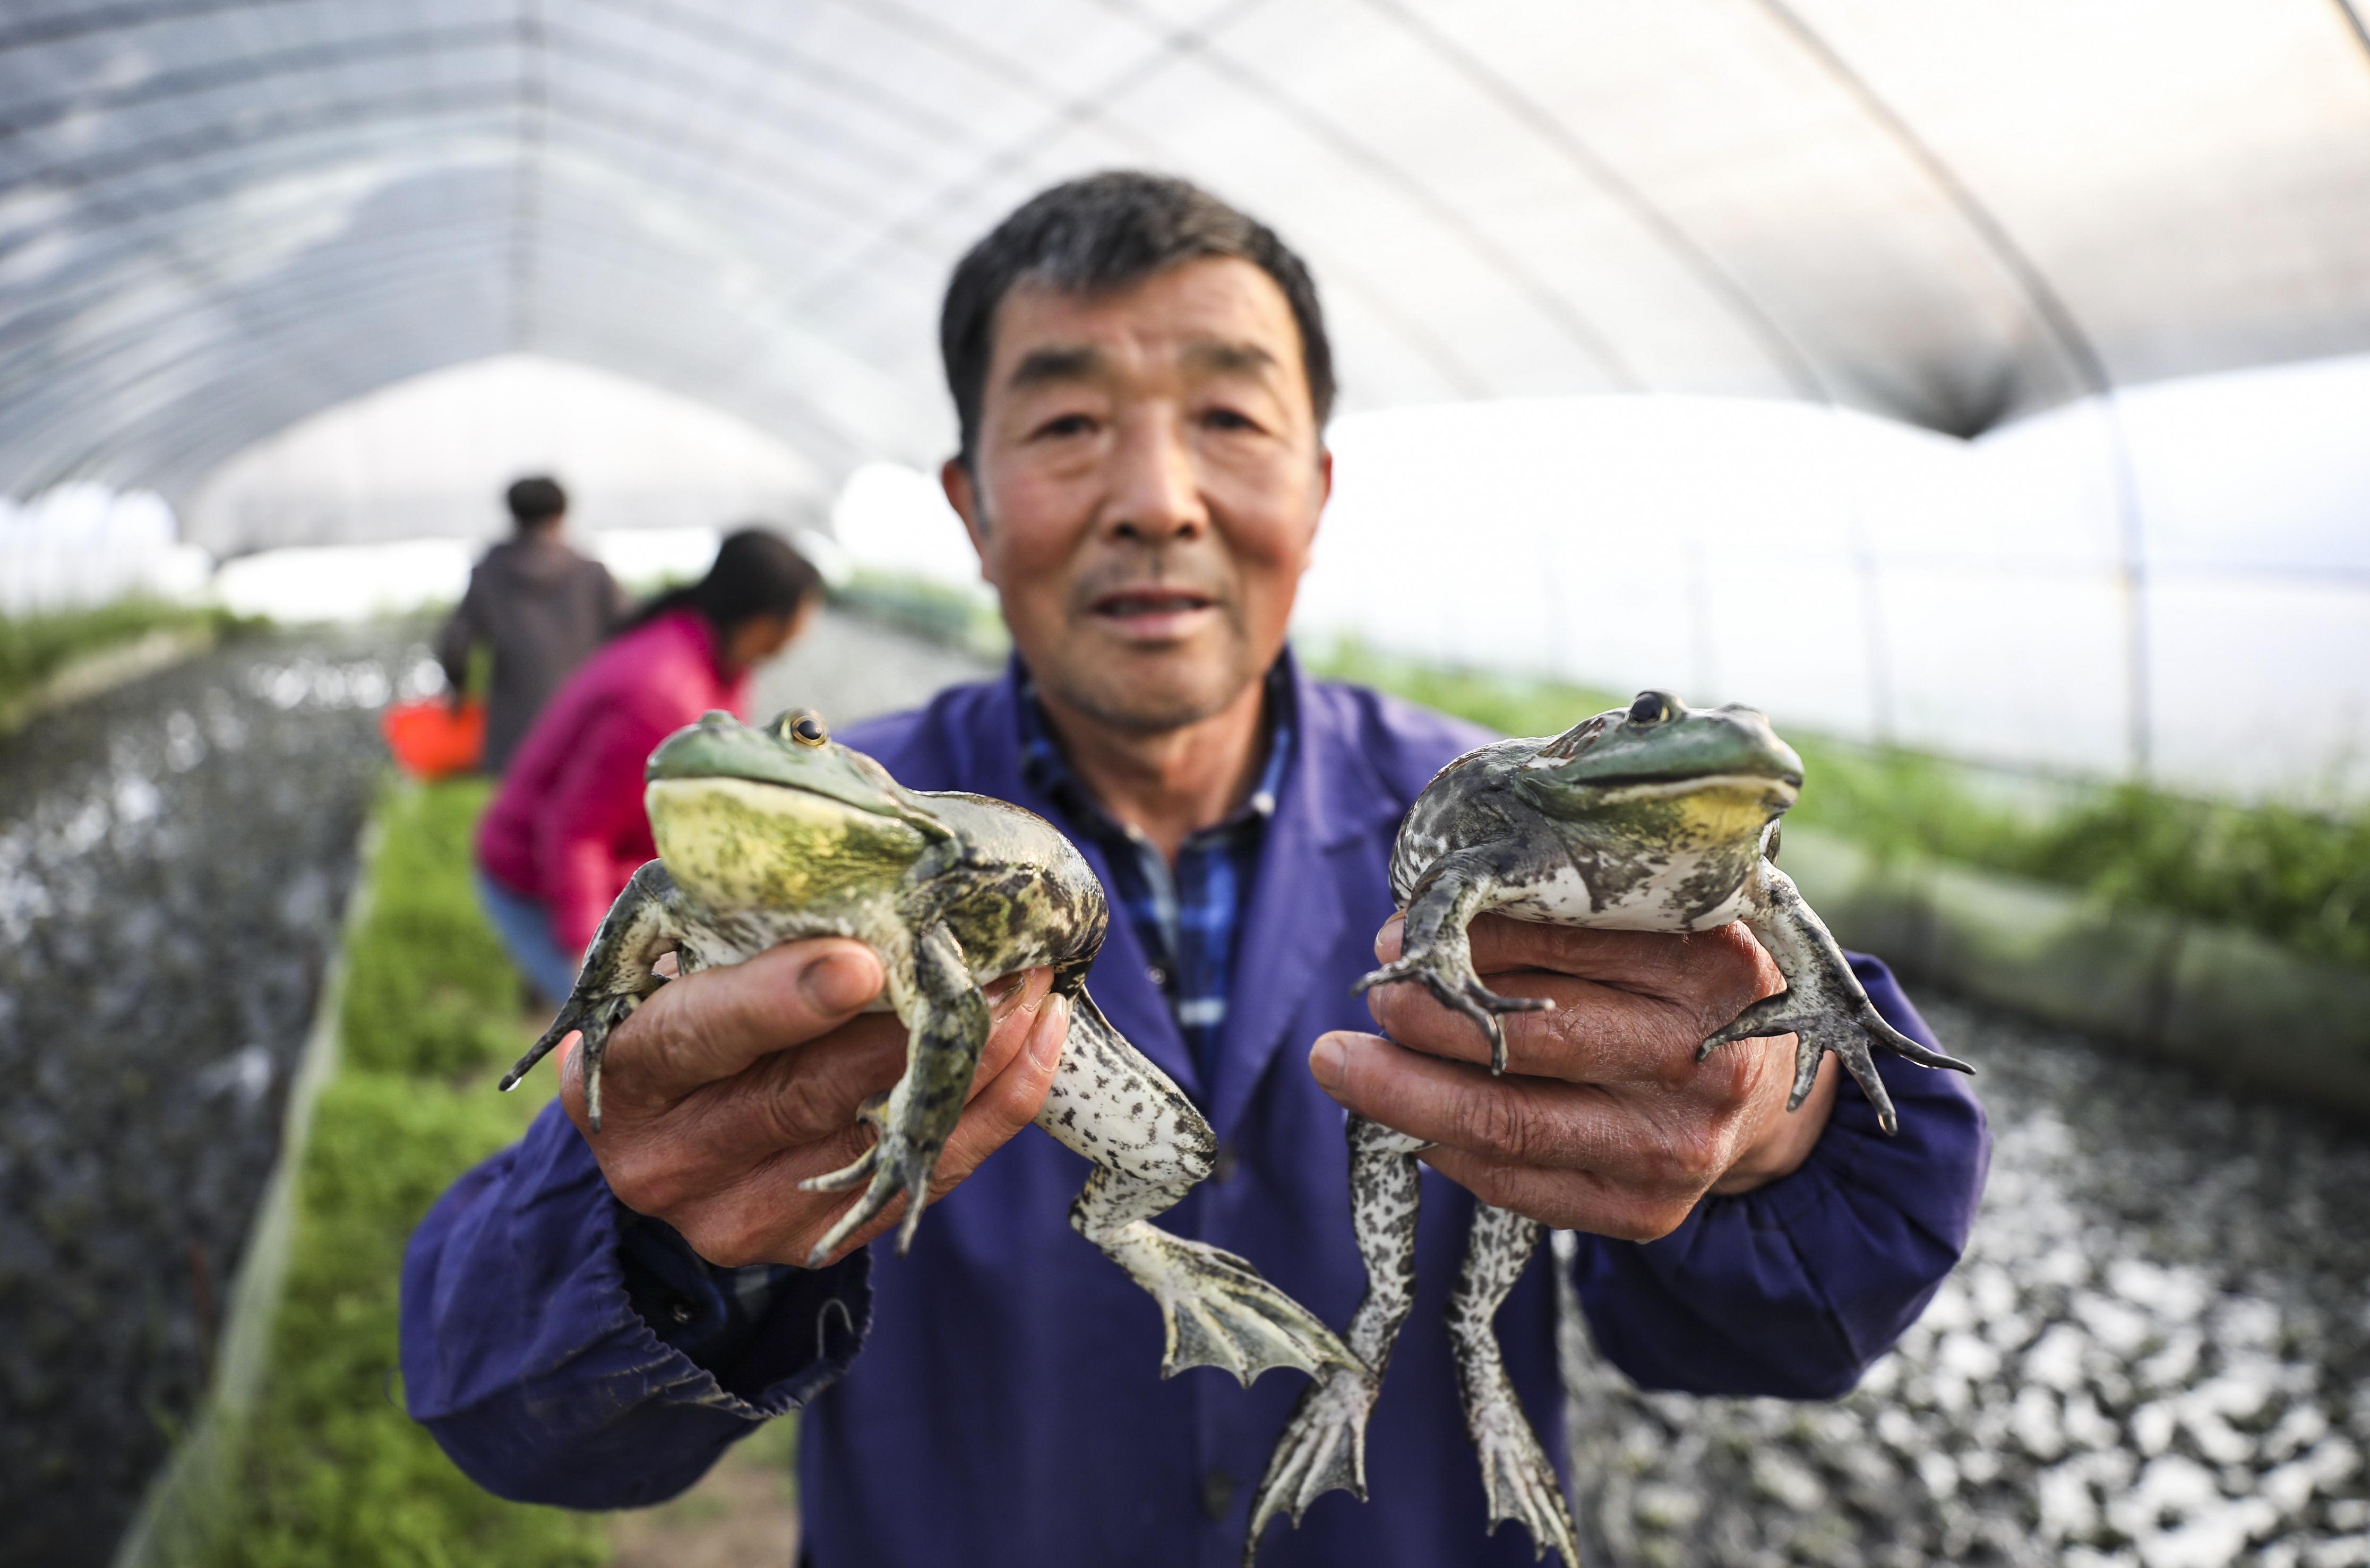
(1155, 495)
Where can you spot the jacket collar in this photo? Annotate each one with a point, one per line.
(1330, 803)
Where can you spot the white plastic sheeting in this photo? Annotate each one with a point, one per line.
(80, 545)
(218, 217)
(432, 455)
(1858, 575)
(307, 583)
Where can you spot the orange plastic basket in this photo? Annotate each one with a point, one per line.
(431, 740)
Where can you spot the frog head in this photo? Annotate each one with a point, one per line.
(1660, 771)
(777, 816)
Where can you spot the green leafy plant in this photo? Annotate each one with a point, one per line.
(35, 647)
(2299, 876)
(332, 1468)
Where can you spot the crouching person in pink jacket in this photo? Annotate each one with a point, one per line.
(568, 829)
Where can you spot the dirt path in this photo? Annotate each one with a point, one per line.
(744, 1515)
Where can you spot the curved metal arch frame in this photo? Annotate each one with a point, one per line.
(267, 338)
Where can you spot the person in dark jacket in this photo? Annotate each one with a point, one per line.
(566, 829)
(1140, 375)
(539, 606)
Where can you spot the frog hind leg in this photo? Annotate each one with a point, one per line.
(615, 977)
(948, 1023)
(1516, 1477)
(1434, 949)
(1324, 1443)
(1150, 1146)
(1824, 1004)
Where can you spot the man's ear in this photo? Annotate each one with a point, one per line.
(962, 494)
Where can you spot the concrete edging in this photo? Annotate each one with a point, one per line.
(2219, 998)
(183, 1503)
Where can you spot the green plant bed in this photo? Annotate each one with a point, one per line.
(2298, 876)
(33, 648)
(331, 1469)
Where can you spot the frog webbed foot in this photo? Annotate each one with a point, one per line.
(1436, 950)
(1218, 1311)
(1847, 1027)
(614, 980)
(1824, 1004)
(1446, 970)
(1519, 1482)
(1323, 1450)
(914, 1119)
(1150, 1146)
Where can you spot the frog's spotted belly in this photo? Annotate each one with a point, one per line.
(1672, 902)
(718, 941)
(1679, 891)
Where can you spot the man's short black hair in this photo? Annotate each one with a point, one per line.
(536, 500)
(1104, 232)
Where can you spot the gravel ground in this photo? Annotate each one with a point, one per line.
(174, 859)
(2156, 1353)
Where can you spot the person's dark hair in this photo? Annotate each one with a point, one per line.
(756, 572)
(536, 500)
(1103, 232)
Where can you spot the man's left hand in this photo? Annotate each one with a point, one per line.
(1604, 1120)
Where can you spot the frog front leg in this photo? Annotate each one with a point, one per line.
(639, 929)
(1824, 1004)
(1324, 1443)
(1151, 1146)
(947, 1019)
(1435, 948)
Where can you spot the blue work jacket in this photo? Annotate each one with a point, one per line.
(993, 1398)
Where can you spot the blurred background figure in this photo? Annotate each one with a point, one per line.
(538, 606)
(566, 829)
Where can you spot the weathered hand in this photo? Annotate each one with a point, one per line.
(1604, 1121)
(729, 1087)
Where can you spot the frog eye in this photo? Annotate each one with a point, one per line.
(805, 726)
(1654, 708)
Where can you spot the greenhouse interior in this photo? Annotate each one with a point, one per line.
(1977, 391)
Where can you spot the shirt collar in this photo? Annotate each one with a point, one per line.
(1050, 773)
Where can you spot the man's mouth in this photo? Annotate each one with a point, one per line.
(1153, 614)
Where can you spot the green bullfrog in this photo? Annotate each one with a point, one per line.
(1655, 816)
(770, 835)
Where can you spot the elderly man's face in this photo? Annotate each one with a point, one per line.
(1146, 488)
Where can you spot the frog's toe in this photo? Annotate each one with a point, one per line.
(1850, 1031)
(597, 1017)
(1323, 1450)
(848, 1176)
(1459, 989)
(1520, 1483)
(1219, 1312)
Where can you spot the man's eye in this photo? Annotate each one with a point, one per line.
(1228, 420)
(1065, 425)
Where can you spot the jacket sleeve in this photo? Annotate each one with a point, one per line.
(457, 636)
(595, 806)
(1795, 1288)
(563, 1350)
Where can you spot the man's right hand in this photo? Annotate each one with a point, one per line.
(729, 1087)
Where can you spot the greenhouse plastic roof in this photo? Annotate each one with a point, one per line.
(217, 217)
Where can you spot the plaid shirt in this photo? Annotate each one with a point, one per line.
(1187, 916)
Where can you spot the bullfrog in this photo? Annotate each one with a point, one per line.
(1656, 816)
(771, 834)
